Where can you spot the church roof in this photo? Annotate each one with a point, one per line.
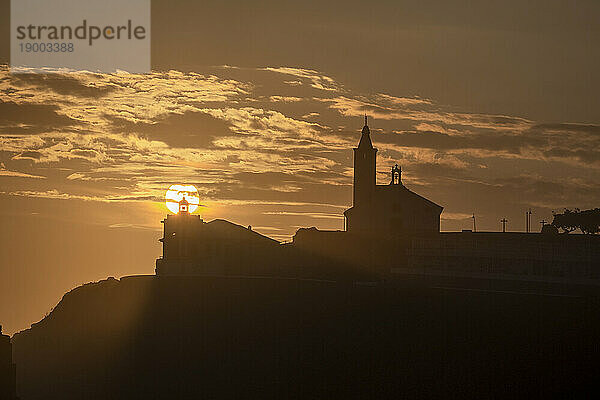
(398, 190)
(224, 226)
(403, 191)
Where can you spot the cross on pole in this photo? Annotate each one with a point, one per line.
(543, 222)
(504, 221)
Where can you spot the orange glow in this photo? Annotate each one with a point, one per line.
(176, 193)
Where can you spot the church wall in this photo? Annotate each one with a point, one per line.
(393, 214)
(192, 246)
(572, 256)
(533, 255)
(351, 253)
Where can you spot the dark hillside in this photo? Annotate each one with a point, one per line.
(210, 337)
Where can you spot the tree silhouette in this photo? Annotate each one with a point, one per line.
(588, 221)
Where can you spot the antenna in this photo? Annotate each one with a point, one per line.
(504, 221)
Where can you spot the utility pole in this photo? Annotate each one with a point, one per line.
(474, 226)
(528, 216)
(543, 222)
(504, 221)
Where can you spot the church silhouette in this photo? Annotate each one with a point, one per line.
(389, 230)
(386, 209)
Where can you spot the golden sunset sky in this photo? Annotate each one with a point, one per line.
(489, 108)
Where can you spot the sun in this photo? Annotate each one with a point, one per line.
(176, 193)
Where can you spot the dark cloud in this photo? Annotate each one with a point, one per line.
(136, 198)
(61, 84)
(570, 141)
(32, 155)
(321, 193)
(583, 155)
(442, 141)
(565, 127)
(505, 120)
(31, 118)
(266, 178)
(189, 130)
(572, 193)
(435, 173)
(565, 141)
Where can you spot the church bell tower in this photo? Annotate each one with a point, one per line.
(364, 169)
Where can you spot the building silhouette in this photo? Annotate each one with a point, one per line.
(389, 230)
(192, 246)
(8, 375)
(390, 209)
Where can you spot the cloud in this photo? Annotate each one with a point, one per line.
(4, 172)
(421, 112)
(190, 129)
(58, 195)
(311, 114)
(54, 194)
(318, 80)
(71, 85)
(306, 214)
(257, 141)
(286, 99)
(132, 226)
(31, 155)
(403, 101)
(31, 118)
(566, 127)
(500, 142)
(450, 216)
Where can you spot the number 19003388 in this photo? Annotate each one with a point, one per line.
(49, 47)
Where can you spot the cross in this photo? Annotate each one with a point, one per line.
(543, 222)
(504, 221)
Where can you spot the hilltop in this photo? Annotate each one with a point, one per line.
(240, 337)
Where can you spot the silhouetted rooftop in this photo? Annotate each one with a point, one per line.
(404, 191)
(224, 226)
